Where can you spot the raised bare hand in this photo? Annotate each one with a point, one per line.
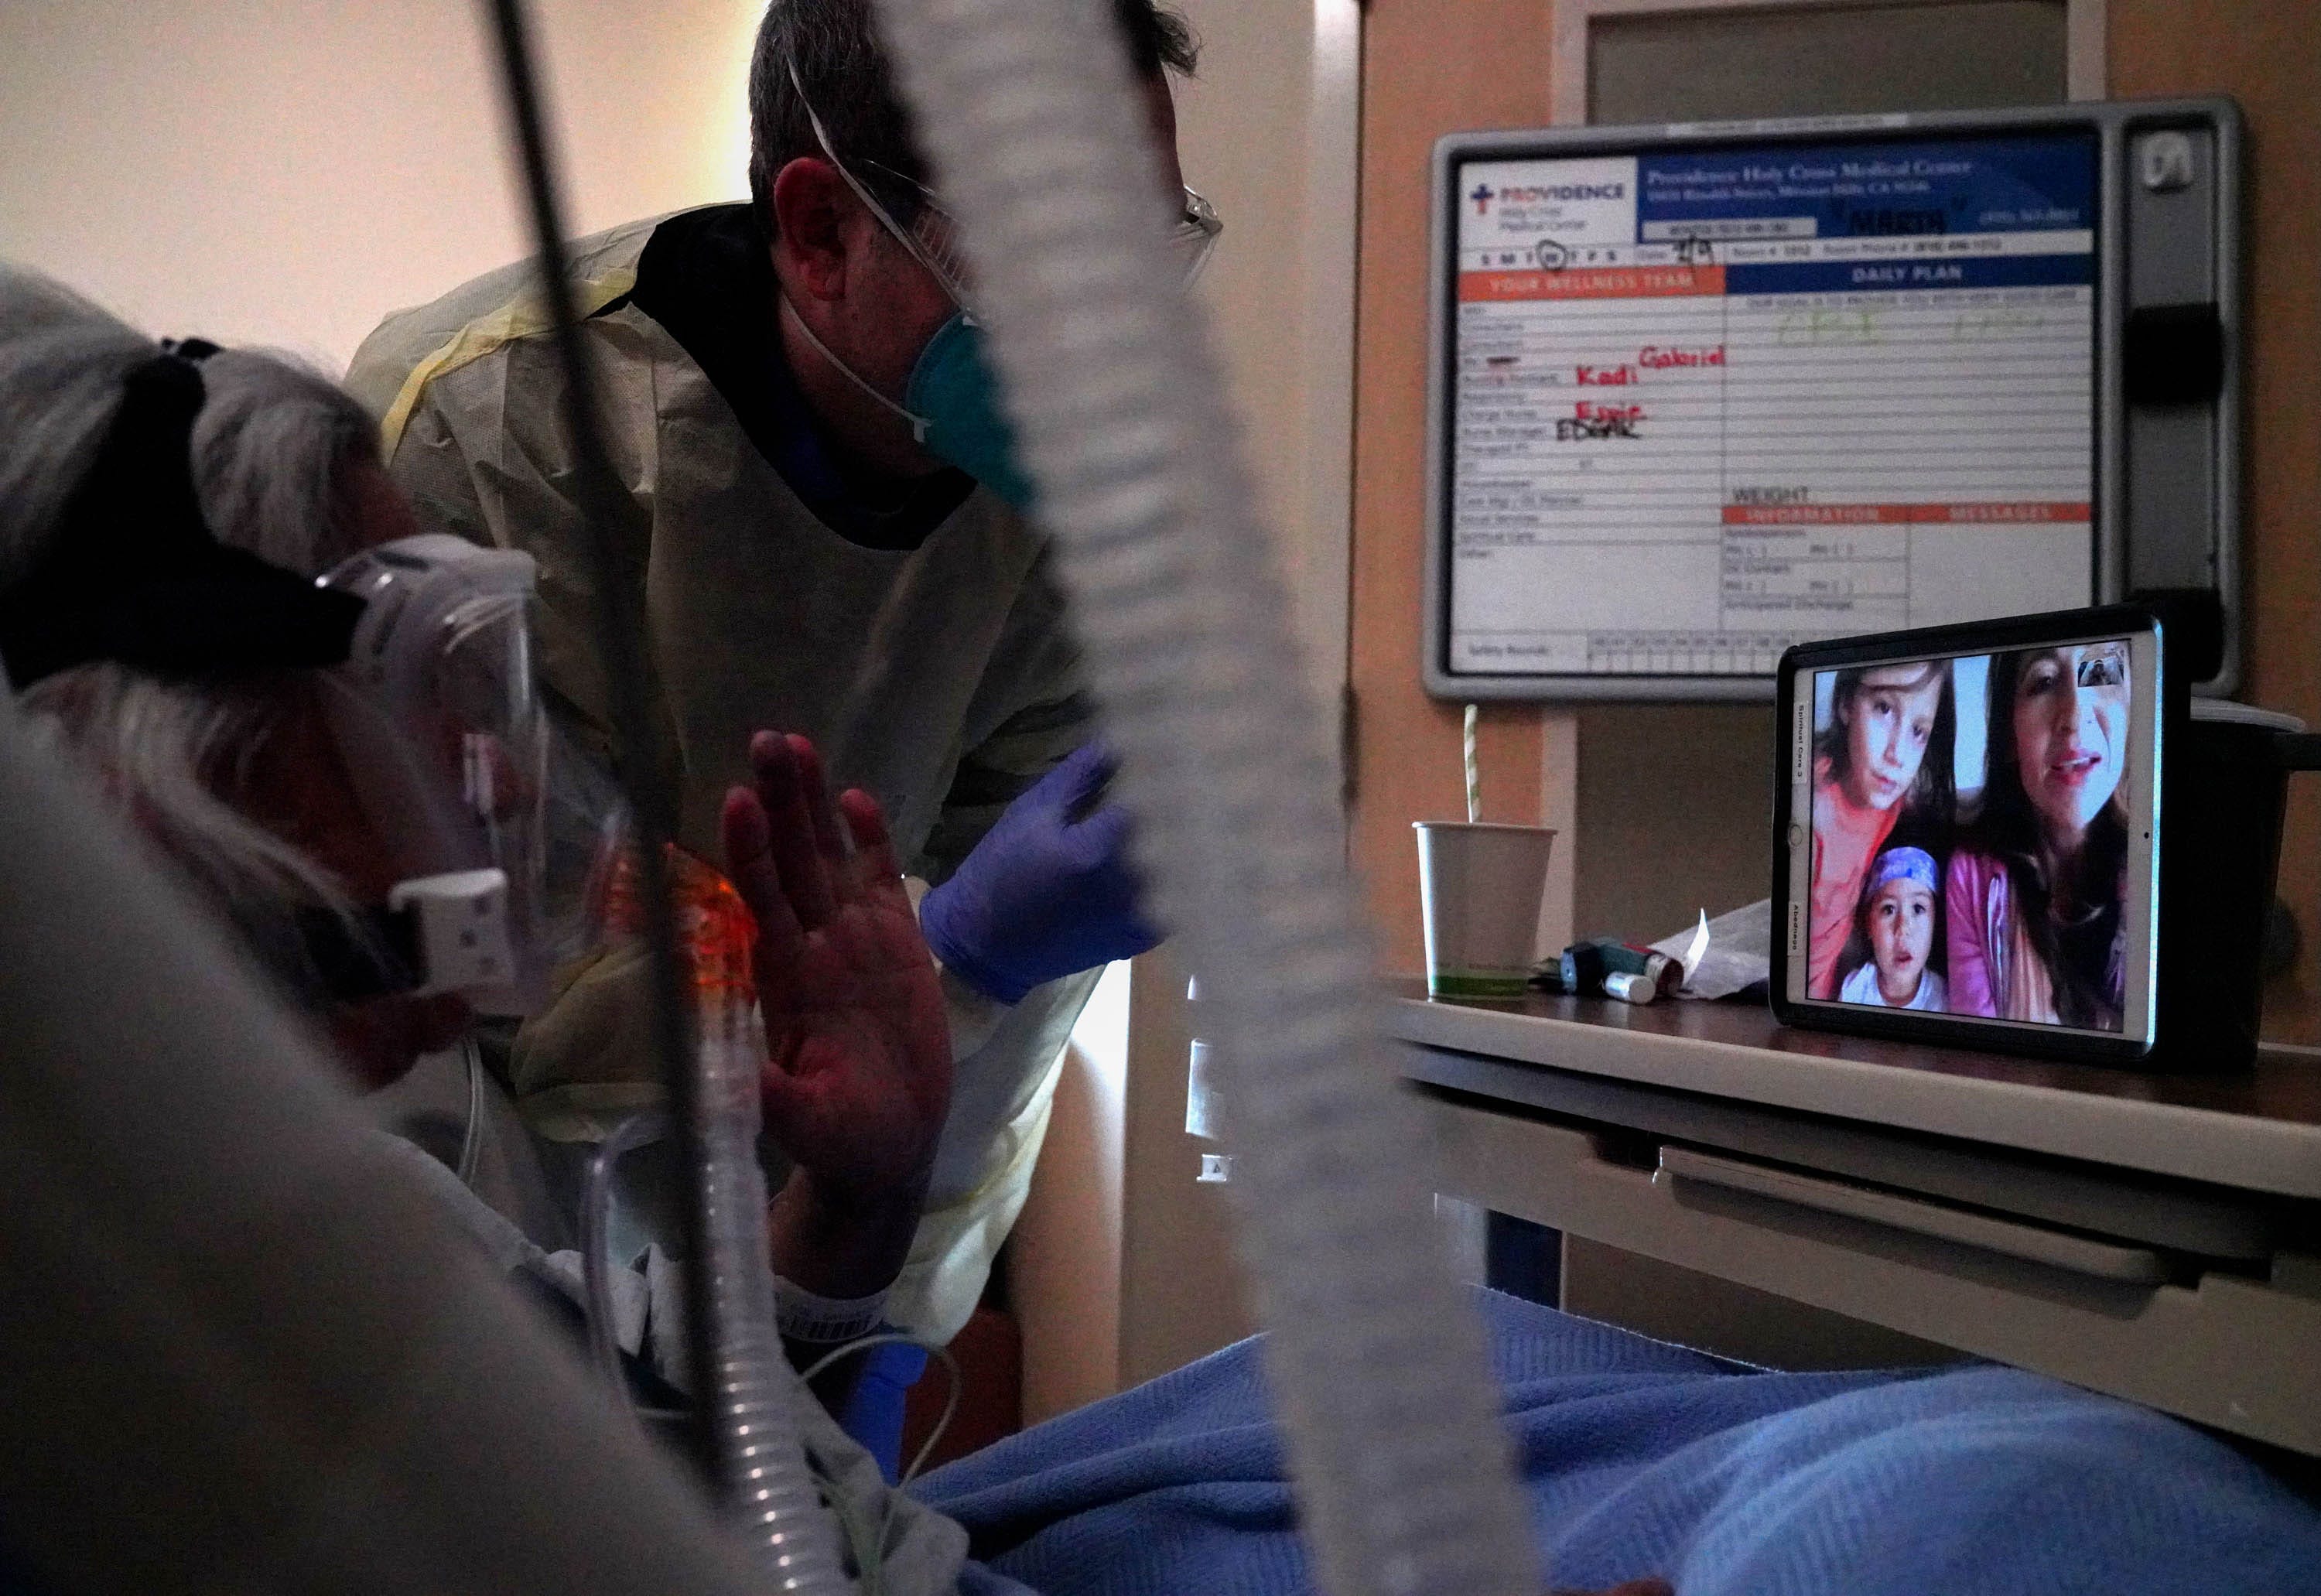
(858, 1072)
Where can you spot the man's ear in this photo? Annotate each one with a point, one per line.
(813, 213)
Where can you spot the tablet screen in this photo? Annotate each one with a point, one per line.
(1972, 835)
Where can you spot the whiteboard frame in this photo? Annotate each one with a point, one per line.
(2111, 121)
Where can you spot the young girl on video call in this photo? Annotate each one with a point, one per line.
(1900, 909)
(2034, 892)
(1887, 749)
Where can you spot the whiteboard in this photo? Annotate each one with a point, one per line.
(1699, 401)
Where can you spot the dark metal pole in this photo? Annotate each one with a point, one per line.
(620, 624)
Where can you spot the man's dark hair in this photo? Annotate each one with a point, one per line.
(835, 45)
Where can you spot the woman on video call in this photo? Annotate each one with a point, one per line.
(2032, 896)
(1887, 749)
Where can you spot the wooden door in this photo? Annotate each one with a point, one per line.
(1429, 68)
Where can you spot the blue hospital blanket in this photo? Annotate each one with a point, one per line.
(1643, 1458)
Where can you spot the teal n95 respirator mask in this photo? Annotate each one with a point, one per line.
(951, 404)
(446, 746)
(952, 399)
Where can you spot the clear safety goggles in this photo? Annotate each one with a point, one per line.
(446, 746)
(932, 236)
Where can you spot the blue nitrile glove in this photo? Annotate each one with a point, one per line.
(1047, 893)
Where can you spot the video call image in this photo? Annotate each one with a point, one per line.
(1970, 828)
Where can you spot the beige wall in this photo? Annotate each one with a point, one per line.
(287, 172)
(1267, 131)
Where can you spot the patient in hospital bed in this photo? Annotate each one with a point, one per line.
(1644, 1462)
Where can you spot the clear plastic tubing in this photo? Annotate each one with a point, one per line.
(1036, 130)
(597, 1239)
(769, 1495)
(771, 1498)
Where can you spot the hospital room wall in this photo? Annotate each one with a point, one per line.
(1615, 771)
(286, 172)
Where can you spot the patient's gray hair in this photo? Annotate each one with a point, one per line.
(272, 447)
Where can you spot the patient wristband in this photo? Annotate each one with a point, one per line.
(803, 1316)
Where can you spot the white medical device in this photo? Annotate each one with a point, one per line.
(1703, 392)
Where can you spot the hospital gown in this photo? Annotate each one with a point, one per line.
(924, 1551)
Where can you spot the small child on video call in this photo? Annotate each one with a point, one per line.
(1900, 906)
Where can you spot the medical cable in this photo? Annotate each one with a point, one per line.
(871, 1557)
(1030, 115)
(745, 1432)
(471, 1135)
(639, 1130)
(941, 1354)
(619, 635)
(911, 418)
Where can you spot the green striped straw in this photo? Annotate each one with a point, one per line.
(1474, 772)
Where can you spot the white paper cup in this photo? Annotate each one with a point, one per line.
(1480, 887)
